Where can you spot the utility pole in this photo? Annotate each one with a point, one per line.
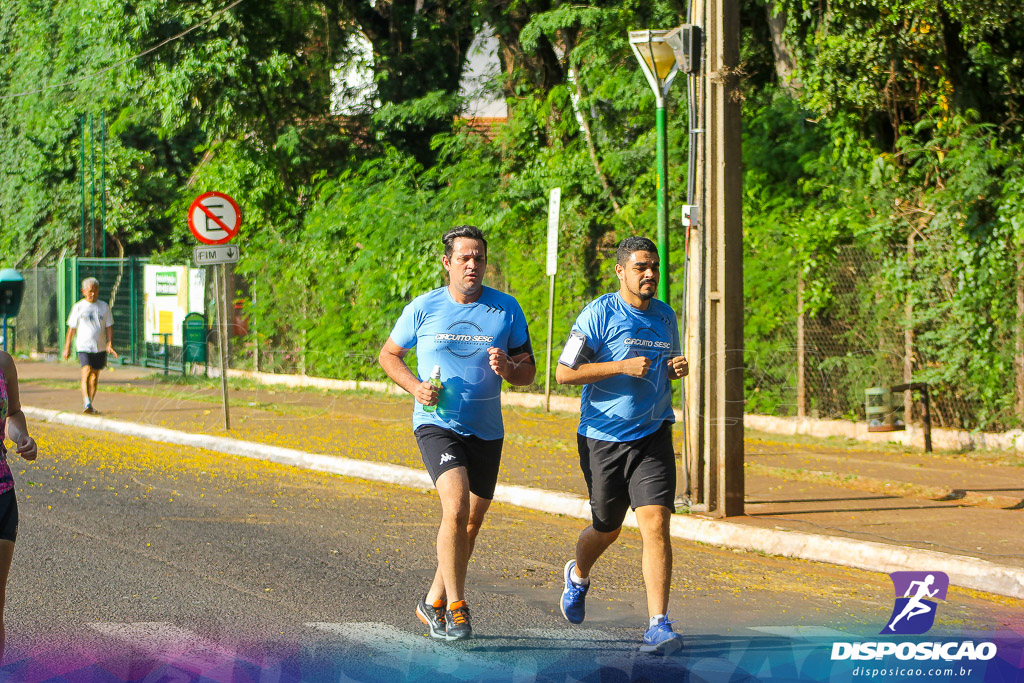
(723, 280)
(695, 296)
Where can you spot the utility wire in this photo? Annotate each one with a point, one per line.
(124, 61)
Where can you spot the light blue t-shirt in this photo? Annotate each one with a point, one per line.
(456, 337)
(625, 408)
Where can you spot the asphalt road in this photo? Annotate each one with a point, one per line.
(137, 559)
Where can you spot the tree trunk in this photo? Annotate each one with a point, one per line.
(1019, 357)
(539, 69)
(801, 381)
(785, 62)
(591, 147)
(908, 338)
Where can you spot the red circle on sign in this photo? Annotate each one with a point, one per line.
(214, 218)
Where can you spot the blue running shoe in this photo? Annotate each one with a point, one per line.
(574, 597)
(661, 639)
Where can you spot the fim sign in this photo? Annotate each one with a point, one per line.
(208, 256)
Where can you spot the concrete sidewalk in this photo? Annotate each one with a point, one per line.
(883, 509)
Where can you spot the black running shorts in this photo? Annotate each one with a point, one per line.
(8, 516)
(442, 449)
(628, 474)
(96, 361)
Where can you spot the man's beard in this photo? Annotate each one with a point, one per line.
(644, 296)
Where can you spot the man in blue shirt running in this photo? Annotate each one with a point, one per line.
(624, 350)
(477, 337)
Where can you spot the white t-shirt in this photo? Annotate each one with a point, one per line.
(91, 320)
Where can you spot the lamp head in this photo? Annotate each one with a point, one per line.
(657, 60)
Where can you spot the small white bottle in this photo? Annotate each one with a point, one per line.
(435, 379)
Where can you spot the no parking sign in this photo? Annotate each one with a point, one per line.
(214, 218)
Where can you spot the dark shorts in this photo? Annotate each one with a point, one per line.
(442, 450)
(628, 474)
(8, 516)
(96, 361)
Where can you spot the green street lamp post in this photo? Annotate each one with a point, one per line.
(658, 62)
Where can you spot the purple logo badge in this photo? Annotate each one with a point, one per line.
(914, 613)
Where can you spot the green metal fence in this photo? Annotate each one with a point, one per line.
(122, 287)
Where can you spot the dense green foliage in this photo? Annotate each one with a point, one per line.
(867, 124)
(895, 179)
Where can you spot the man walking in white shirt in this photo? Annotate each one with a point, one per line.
(95, 327)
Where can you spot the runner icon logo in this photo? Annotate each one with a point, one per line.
(913, 613)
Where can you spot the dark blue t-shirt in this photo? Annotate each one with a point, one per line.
(456, 337)
(625, 408)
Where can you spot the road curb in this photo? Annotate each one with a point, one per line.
(952, 439)
(967, 572)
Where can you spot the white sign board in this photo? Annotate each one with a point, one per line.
(171, 293)
(554, 202)
(221, 253)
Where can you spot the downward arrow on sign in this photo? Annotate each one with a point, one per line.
(231, 253)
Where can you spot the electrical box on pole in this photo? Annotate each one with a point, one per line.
(687, 42)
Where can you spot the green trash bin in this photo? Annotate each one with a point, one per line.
(12, 286)
(193, 335)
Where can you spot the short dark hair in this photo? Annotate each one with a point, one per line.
(630, 245)
(468, 231)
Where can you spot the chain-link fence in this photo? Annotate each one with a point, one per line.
(35, 329)
(846, 347)
(849, 331)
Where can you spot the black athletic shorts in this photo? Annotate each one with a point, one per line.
(96, 361)
(628, 474)
(8, 516)
(442, 450)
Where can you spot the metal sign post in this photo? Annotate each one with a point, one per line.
(222, 339)
(554, 203)
(214, 219)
